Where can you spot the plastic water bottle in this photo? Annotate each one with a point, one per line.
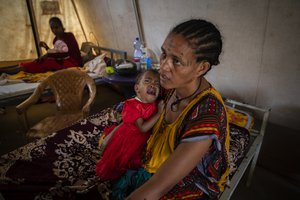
(143, 61)
(137, 50)
(146, 62)
(149, 63)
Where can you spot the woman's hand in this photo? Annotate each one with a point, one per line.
(175, 168)
(44, 45)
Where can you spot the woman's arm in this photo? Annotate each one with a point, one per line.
(145, 126)
(180, 164)
(44, 45)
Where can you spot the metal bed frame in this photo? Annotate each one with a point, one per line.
(86, 46)
(253, 152)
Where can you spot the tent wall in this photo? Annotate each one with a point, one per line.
(16, 39)
(259, 64)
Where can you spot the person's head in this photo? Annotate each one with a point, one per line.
(56, 26)
(147, 86)
(188, 52)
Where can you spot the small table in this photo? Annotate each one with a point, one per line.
(118, 79)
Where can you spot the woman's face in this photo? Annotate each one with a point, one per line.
(56, 28)
(147, 89)
(178, 67)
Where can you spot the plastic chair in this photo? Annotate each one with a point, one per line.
(67, 87)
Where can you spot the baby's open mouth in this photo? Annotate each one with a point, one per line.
(151, 91)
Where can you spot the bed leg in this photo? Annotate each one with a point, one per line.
(262, 133)
(252, 166)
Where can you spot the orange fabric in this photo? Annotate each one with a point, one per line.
(240, 118)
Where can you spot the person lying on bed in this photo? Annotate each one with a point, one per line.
(65, 53)
(187, 152)
(123, 145)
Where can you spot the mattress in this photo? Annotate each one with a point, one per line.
(55, 163)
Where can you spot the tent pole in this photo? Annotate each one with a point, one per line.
(137, 14)
(76, 11)
(34, 27)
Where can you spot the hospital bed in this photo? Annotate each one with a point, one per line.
(54, 164)
(12, 94)
(249, 159)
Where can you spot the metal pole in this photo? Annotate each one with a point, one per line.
(137, 14)
(34, 27)
(76, 11)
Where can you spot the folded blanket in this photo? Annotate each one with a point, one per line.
(28, 77)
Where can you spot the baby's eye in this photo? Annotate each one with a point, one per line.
(146, 81)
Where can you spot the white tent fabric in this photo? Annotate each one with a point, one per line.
(17, 26)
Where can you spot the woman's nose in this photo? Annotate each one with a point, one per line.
(164, 65)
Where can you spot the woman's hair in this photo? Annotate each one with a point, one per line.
(57, 21)
(203, 37)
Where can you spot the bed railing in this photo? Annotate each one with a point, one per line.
(253, 152)
(87, 46)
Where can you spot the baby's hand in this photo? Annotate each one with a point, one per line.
(161, 106)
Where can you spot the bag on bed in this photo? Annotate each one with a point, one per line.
(97, 65)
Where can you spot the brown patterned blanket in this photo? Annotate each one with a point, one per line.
(62, 165)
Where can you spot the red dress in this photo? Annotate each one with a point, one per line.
(125, 148)
(51, 63)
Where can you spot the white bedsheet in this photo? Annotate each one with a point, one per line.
(12, 90)
(17, 89)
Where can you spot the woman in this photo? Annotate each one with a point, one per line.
(187, 153)
(65, 53)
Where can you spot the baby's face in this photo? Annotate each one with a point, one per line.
(147, 90)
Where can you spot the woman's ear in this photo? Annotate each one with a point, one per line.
(202, 68)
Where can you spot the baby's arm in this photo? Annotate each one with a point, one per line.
(145, 126)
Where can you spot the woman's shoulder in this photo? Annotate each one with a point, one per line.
(210, 95)
(69, 34)
(209, 103)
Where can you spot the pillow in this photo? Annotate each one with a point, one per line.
(240, 117)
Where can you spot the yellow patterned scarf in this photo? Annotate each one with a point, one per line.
(161, 143)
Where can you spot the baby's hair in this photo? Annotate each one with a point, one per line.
(141, 74)
(203, 37)
(56, 20)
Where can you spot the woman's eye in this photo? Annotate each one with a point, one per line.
(176, 61)
(162, 56)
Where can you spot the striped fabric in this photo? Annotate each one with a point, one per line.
(205, 117)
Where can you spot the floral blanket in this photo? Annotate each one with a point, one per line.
(62, 165)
